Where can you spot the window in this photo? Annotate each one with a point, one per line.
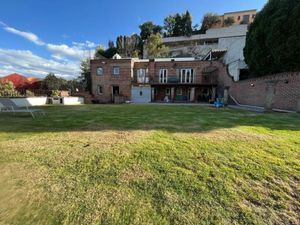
(116, 70)
(141, 75)
(163, 76)
(99, 71)
(141, 93)
(186, 76)
(239, 17)
(246, 19)
(168, 91)
(100, 89)
(179, 91)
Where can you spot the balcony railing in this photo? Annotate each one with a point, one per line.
(207, 79)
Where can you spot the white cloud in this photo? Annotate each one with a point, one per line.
(27, 63)
(65, 59)
(27, 35)
(74, 52)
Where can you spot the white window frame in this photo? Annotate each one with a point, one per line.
(116, 70)
(163, 76)
(141, 75)
(98, 71)
(187, 76)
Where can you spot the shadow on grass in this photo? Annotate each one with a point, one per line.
(144, 117)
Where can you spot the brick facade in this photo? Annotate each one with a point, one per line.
(108, 80)
(286, 93)
(206, 75)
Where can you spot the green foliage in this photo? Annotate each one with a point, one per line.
(229, 21)
(178, 25)
(147, 29)
(29, 93)
(51, 82)
(55, 93)
(100, 53)
(155, 48)
(209, 20)
(273, 40)
(7, 89)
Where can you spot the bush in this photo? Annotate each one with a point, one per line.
(7, 89)
(55, 93)
(272, 44)
(29, 93)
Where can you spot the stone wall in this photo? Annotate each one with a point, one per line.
(280, 91)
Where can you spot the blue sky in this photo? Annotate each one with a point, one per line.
(38, 37)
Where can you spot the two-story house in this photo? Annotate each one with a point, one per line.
(157, 80)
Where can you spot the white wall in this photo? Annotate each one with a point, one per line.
(31, 101)
(73, 100)
(234, 56)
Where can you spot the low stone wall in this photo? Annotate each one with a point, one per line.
(279, 91)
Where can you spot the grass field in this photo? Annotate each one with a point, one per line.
(134, 164)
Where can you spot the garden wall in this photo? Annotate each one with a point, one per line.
(279, 91)
(30, 101)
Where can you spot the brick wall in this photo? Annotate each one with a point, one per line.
(254, 91)
(108, 79)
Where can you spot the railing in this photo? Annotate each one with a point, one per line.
(207, 79)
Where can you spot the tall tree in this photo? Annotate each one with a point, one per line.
(169, 25)
(111, 44)
(272, 43)
(187, 24)
(85, 75)
(149, 28)
(209, 20)
(178, 25)
(155, 48)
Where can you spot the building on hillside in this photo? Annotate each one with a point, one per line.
(239, 17)
(226, 43)
(158, 80)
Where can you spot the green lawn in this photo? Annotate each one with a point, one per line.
(135, 164)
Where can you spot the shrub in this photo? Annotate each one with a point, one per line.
(7, 89)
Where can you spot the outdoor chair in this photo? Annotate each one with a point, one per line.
(8, 106)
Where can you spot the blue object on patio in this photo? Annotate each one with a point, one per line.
(219, 103)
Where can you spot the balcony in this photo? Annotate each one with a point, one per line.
(141, 80)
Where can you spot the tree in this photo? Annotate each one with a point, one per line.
(99, 53)
(7, 89)
(129, 46)
(169, 26)
(209, 20)
(186, 21)
(229, 21)
(85, 77)
(272, 43)
(178, 25)
(111, 44)
(149, 28)
(51, 82)
(155, 48)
